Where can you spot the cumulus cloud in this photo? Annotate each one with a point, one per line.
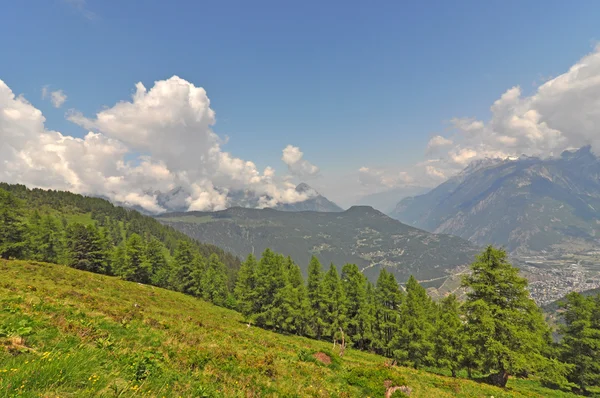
(159, 140)
(438, 142)
(563, 113)
(293, 157)
(57, 97)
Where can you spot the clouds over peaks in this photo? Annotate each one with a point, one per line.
(562, 113)
(160, 139)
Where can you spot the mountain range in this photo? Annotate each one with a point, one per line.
(175, 200)
(360, 235)
(527, 204)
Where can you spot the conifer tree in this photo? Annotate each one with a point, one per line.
(245, 285)
(414, 343)
(334, 315)
(84, 248)
(186, 274)
(449, 338)
(214, 281)
(505, 326)
(12, 229)
(160, 269)
(580, 344)
(270, 279)
(45, 238)
(136, 267)
(316, 297)
(354, 285)
(388, 298)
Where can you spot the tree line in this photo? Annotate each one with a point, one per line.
(497, 330)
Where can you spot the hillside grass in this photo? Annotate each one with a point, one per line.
(69, 333)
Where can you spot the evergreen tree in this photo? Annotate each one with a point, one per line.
(580, 342)
(137, 268)
(354, 286)
(160, 269)
(449, 340)
(45, 239)
(245, 285)
(414, 343)
(214, 281)
(505, 326)
(270, 279)
(187, 264)
(84, 248)
(334, 315)
(388, 298)
(12, 229)
(316, 297)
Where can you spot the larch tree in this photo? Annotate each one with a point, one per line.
(449, 338)
(12, 228)
(335, 314)
(414, 344)
(316, 297)
(245, 285)
(505, 326)
(388, 298)
(354, 285)
(580, 344)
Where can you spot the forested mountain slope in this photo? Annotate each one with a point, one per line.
(360, 235)
(94, 235)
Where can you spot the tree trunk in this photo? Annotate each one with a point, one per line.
(499, 379)
(469, 372)
(453, 372)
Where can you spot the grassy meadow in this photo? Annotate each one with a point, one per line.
(69, 333)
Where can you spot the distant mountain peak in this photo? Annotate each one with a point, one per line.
(307, 189)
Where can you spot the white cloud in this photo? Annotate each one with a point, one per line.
(375, 177)
(438, 142)
(562, 113)
(292, 156)
(159, 140)
(57, 97)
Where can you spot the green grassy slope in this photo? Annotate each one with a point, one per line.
(69, 333)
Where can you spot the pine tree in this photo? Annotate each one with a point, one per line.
(292, 300)
(505, 326)
(137, 268)
(414, 344)
(214, 281)
(45, 238)
(354, 285)
(187, 264)
(580, 342)
(160, 269)
(316, 297)
(245, 285)
(12, 229)
(388, 298)
(270, 279)
(334, 315)
(84, 248)
(449, 338)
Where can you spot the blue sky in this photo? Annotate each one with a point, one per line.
(351, 83)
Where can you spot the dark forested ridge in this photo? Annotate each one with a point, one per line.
(95, 235)
(360, 235)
